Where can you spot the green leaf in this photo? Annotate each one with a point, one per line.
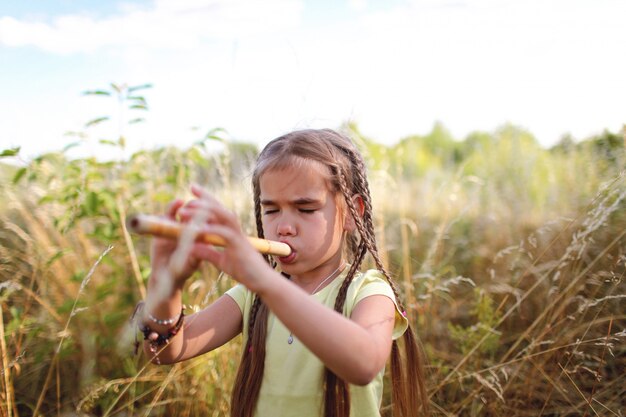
(107, 142)
(56, 256)
(200, 143)
(10, 152)
(213, 134)
(137, 120)
(19, 174)
(216, 138)
(45, 199)
(70, 146)
(96, 121)
(114, 318)
(65, 307)
(77, 276)
(81, 135)
(91, 203)
(139, 107)
(96, 93)
(117, 87)
(163, 197)
(107, 288)
(138, 99)
(139, 87)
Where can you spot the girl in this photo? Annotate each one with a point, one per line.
(317, 332)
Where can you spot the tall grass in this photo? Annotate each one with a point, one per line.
(511, 258)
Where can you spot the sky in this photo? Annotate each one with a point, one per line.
(262, 68)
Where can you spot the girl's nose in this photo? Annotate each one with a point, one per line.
(285, 228)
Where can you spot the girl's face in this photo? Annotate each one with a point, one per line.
(299, 209)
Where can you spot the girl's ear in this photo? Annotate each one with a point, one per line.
(350, 223)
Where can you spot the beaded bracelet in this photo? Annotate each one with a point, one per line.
(165, 322)
(154, 338)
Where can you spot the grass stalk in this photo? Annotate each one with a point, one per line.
(593, 388)
(6, 369)
(131, 249)
(578, 390)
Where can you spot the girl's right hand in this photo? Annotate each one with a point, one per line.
(163, 250)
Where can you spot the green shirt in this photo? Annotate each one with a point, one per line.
(293, 378)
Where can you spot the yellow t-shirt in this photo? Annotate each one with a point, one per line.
(293, 378)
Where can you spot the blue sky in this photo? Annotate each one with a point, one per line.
(259, 69)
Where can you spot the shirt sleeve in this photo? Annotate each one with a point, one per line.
(373, 283)
(244, 298)
(238, 293)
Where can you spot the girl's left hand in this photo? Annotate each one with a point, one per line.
(238, 258)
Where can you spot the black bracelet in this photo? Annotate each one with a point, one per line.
(162, 339)
(154, 338)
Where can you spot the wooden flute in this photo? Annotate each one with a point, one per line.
(145, 224)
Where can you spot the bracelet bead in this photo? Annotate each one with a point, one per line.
(165, 322)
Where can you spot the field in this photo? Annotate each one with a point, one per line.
(511, 257)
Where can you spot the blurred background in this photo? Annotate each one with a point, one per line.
(495, 141)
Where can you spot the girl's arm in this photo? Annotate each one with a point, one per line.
(354, 348)
(202, 332)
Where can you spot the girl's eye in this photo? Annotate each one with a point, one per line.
(307, 211)
(270, 211)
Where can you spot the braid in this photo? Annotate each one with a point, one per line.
(352, 245)
(257, 212)
(365, 224)
(258, 217)
(361, 248)
(253, 315)
(405, 397)
(336, 390)
(361, 186)
(250, 373)
(336, 395)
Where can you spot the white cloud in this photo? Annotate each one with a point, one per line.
(168, 24)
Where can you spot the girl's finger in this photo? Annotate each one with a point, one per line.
(206, 253)
(198, 203)
(202, 193)
(173, 207)
(195, 217)
(201, 211)
(222, 214)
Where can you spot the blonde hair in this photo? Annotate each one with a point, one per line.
(347, 177)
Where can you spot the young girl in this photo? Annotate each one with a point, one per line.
(317, 332)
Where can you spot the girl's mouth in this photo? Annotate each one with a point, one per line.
(289, 258)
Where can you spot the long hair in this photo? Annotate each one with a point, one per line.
(347, 177)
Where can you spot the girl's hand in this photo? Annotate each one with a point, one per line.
(164, 251)
(238, 258)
